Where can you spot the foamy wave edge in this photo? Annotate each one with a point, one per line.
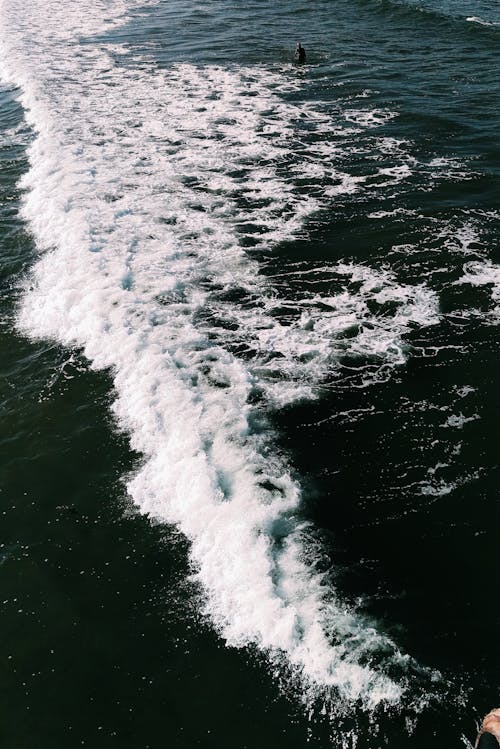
(205, 468)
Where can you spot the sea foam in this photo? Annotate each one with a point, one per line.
(144, 187)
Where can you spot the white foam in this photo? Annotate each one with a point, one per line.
(436, 488)
(403, 212)
(14, 136)
(392, 146)
(439, 488)
(464, 239)
(465, 390)
(142, 186)
(393, 175)
(449, 168)
(469, 240)
(458, 421)
(484, 273)
(481, 21)
(369, 117)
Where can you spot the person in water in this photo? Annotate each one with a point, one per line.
(489, 735)
(300, 53)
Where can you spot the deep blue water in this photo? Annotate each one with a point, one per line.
(249, 339)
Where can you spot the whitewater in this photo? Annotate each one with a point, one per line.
(155, 197)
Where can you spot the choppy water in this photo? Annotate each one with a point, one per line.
(249, 342)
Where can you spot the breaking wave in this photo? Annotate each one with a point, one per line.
(153, 196)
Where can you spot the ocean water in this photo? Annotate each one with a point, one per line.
(249, 340)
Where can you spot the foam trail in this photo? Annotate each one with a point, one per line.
(143, 185)
(481, 21)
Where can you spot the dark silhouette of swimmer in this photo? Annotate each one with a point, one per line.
(300, 53)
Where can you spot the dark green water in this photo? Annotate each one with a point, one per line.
(104, 639)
